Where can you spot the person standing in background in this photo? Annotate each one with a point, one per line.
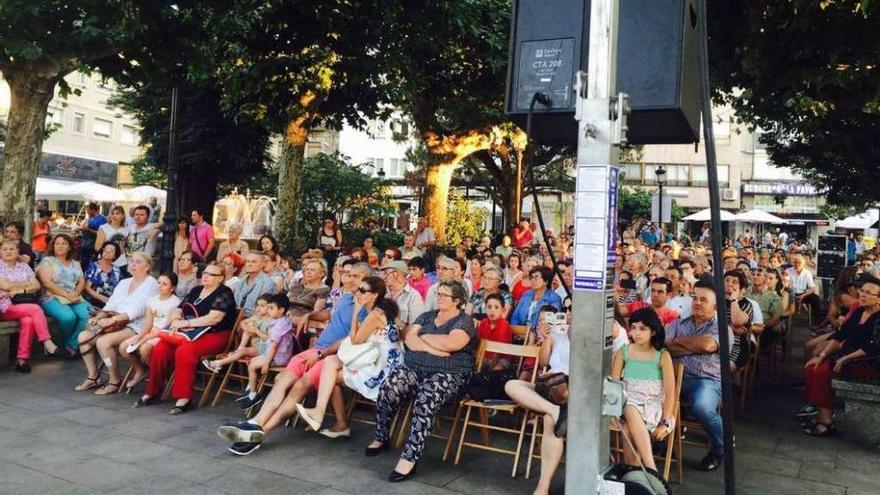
(42, 230)
(201, 236)
(89, 233)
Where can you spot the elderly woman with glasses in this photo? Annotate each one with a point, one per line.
(437, 362)
(490, 284)
(540, 295)
(856, 339)
(209, 306)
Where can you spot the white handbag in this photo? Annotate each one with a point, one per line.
(357, 356)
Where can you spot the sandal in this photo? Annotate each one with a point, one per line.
(104, 390)
(178, 410)
(149, 401)
(821, 429)
(88, 384)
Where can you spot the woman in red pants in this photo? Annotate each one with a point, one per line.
(215, 308)
(857, 338)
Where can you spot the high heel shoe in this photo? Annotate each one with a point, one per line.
(395, 477)
(59, 352)
(374, 451)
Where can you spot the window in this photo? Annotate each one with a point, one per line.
(793, 204)
(129, 135)
(106, 85)
(396, 167)
(700, 176)
(721, 129)
(377, 164)
(376, 129)
(79, 123)
(632, 173)
(82, 79)
(400, 128)
(102, 128)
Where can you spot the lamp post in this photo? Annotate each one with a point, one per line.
(169, 221)
(468, 177)
(661, 179)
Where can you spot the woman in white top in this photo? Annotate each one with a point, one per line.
(159, 310)
(116, 232)
(122, 316)
(555, 354)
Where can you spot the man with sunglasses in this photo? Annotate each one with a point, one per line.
(302, 374)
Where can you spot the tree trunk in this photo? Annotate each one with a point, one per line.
(290, 168)
(437, 183)
(31, 93)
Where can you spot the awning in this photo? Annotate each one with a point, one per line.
(861, 221)
(142, 194)
(759, 216)
(64, 190)
(705, 215)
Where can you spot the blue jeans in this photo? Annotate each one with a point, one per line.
(704, 394)
(71, 318)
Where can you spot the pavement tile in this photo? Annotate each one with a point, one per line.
(126, 449)
(20, 480)
(783, 485)
(192, 467)
(162, 484)
(862, 480)
(244, 479)
(746, 461)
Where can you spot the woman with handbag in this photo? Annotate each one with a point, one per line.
(199, 327)
(63, 281)
(369, 353)
(437, 364)
(19, 293)
(121, 318)
(548, 396)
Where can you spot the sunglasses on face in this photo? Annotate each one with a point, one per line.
(214, 274)
(364, 290)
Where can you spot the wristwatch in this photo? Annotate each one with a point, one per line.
(320, 354)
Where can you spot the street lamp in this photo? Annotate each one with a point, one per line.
(661, 180)
(468, 177)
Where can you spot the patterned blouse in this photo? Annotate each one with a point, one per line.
(65, 277)
(102, 282)
(20, 272)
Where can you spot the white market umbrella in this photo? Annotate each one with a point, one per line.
(66, 190)
(759, 216)
(142, 194)
(706, 215)
(861, 221)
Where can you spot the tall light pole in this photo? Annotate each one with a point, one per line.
(169, 221)
(468, 177)
(661, 180)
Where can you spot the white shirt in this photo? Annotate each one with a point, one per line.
(426, 235)
(410, 304)
(559, 354)
(162, 310)
(132, 304)
(801, 282)
(681, 303)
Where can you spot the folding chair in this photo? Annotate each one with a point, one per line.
(470, 405)
(672, 449)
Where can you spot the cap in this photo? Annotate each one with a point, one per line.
(395, 265)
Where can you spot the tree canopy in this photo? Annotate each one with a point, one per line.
(806, 72)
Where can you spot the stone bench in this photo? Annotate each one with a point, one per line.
(861, 408)
(10, 328)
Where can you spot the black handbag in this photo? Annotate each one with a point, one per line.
(26, 298)
(489, 384)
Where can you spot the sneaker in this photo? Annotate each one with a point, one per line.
(244, 397)
(241, 432)
(244, 448)
(211, 365)
(711, 462)
(256, 401)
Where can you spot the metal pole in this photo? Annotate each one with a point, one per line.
(660, 208)
(590, 363)
(169, 220)
(717, 271)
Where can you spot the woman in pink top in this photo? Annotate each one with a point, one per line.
(18, 278)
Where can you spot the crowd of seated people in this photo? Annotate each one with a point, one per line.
(402, 325)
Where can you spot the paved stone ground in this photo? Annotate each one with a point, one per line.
(54, 440)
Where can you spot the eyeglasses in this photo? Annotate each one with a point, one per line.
(363, 290)
(213, 274)
(443, 294)
(536, 276)
(388, 255)
(863, 291)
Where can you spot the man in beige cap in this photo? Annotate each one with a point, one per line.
(408, 300)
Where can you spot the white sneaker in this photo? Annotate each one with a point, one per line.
(207, 363)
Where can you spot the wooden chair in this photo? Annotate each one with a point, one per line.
(672, 448)
(235, 371)
(470, 405)
(780, 344)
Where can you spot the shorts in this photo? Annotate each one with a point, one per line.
(297, 366)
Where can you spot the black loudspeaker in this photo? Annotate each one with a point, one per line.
(657, 66)
(830, 265)
(832, 243)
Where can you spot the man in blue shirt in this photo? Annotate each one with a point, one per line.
(89, 232)
(301, 375)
